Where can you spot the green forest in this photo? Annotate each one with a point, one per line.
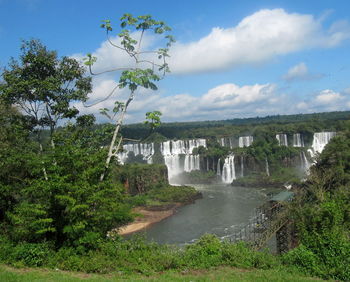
(61, 202)
(302, 123)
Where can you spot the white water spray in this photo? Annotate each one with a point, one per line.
(282, 139)
(228, 170)
(320, 141)
(245, 141)
(298, 140)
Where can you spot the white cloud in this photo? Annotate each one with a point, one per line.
(302, 106)
(298, 71)
(325, 101)
(328, 97)
(257, 38)
(110, 58)
(221, 102)
(225, 101)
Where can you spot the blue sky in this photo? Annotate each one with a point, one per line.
(232, 58)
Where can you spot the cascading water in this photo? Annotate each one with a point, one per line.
(298, 140)
(146, 150)
(305, 164)
(267, 167)
(165, 148)
(222, 141)
(173, 151)
(321, 139)
(231, 143)
(227, 142)
(218, 168)
(173, 164)
(228, 170)
(282, 139)
(245, 141)
(191, 163)
(177, 154)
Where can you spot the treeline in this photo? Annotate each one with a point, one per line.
(303, 123)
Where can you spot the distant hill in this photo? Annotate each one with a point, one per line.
(318, 121)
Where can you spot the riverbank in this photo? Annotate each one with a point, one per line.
(146, 218)
(160, 204)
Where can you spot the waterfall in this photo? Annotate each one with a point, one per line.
(146, 150)
(231, 143)
(177, 154)
(173, 164)
(298, 140)
(267, 167)
(207, 164)
(282, 139)
(305, 164)
(227, 142)
(191, 163)
(311, 152)
(172, 152)
(228, 170)
(165, 148)
(245, 141)
(218, 168)
(321, 139)
(242, 166)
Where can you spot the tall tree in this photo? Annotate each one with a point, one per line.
(43, 86)
(149, 65)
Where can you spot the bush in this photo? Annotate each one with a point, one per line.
(241, 255)
(304, 259)
(206, 252)
(180, 194)
(29, 254)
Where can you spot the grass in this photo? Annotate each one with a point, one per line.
(10, 274)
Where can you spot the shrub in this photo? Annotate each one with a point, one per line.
(206, 252)
(29, 254)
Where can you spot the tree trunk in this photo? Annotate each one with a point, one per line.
(112, 149)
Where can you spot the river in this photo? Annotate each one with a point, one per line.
(223, 211)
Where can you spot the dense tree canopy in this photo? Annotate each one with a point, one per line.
(44, 86)
(67, 205)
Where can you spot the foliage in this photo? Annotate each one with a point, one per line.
(322, 215)
(213, 150)
(150, 66)
(218, 274)
(140, 178)
(44, 86)
(18, 158)
(139, 256)
(262, 127)
(153, 119)
(155, 137)
(70, 208)
(173, 194)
